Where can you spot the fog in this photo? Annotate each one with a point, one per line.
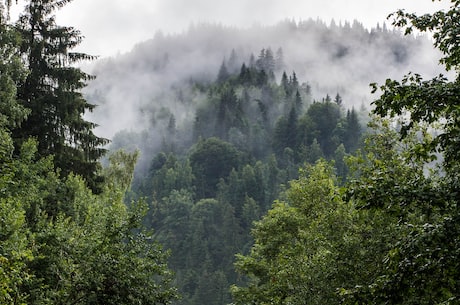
(114, 26)
(137, 88)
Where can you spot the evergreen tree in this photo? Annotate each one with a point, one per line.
(232, 64)
(52, 93)
(291, 132)
(269, 60)
(12, 72)
(353, 131)
(314, 152)
(338, 99)
(298, 102)
(223, 74)
(279, 60)
(245, 75)
(285, 83)
(260, 63)
(294, 81)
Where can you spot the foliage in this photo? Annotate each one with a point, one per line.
(416, 204)
(51, 92)
(403, 209)
(432, 100)
(12, 73)
(59, 242)
(212, 159)
(250, 136)
(422, 265)
(308, 246)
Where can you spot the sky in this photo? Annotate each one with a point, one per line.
(112, 27)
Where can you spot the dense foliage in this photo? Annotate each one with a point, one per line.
(52, 93)
(59, 242)
(250, 134)
(390, 235)
(245, 136)
(319, 209)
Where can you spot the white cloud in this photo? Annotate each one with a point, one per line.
(112, 26)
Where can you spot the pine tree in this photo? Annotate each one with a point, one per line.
(353, 131)
(294, 81)
(52, 93)
(279, 60)
(285, 83)
(338, 99)
(232, 64)
(260, 63)
(245, 75)
(223, 74)
(298, 102)
(269, 60)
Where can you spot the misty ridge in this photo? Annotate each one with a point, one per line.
(138, 93)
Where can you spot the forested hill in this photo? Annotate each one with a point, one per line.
(208, 181)
(132, 89)
(225, 117)
(256, 171)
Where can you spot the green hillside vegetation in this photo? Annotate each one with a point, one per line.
(66, 235)
(391, 234)
(250, 136)
(248, 189)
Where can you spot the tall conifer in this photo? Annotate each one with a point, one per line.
(52, 92)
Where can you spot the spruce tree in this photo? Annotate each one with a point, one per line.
(52, 93)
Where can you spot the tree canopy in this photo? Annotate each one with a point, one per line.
(391, 234)
(60, 243)
(51, 92)
(319, 209)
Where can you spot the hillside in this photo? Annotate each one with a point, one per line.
(267, 174)
(225, 117)
(132, 88)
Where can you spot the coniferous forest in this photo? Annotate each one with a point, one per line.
(260, 170)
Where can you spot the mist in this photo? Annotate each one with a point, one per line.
(332, 58)
(138, 92)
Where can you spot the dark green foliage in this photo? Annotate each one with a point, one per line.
(422, 266)
(168, 173)
(51, 92)
(352, 134)
(325, 116)
(250, 136)
(59, 242)
(62, 244)
(393, 235)
(212, 159)
(417, 205)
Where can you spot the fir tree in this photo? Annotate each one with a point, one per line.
(223, 74)
(52, 93)
(338, 99)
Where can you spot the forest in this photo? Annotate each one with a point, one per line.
(241, 174)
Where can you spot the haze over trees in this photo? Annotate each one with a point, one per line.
(391, 235)
(254, 173)
(331, 58)
(250, 134)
